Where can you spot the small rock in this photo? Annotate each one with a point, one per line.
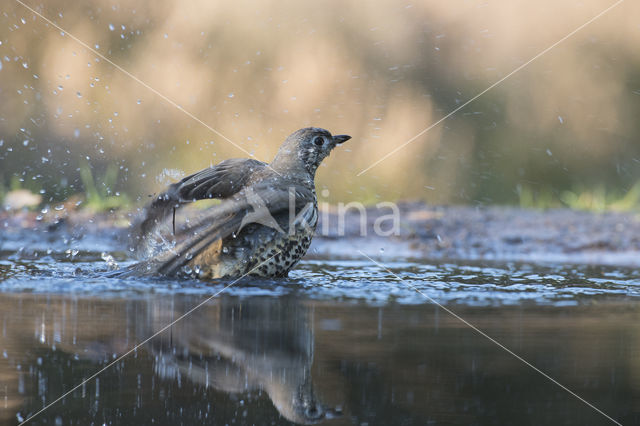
(21, 198)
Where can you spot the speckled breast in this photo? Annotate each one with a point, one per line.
(259, 250)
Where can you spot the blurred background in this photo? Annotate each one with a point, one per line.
(564, 131)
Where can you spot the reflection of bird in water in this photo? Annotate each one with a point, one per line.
(255, 344)
(264, 223)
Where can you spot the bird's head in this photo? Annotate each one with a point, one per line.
(306, 148)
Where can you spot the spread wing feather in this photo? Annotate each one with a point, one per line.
(222, 221)
(220, 181)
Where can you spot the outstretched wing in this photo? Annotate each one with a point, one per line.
(220, 181)
(223, 220)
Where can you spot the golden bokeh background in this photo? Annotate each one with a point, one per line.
(381, 71)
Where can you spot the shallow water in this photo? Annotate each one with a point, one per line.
(339, 342)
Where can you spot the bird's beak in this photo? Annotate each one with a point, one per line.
(338, 139)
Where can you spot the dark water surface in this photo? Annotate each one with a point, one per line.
(339, 342)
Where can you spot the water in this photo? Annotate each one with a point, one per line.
(341, 341)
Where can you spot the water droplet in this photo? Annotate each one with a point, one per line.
(111, 27)
(97, 46)
(230, 95)
(25, 65)
(111, 262)
(76, 133)
(560, 120)
(166, 35)
(78, 94)
(23, 21)
(139, 101)
(71, 253)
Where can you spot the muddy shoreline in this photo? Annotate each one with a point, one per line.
(500, 233)
(428, 232)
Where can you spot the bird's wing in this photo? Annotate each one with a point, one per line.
(220, 181)
(227, 218)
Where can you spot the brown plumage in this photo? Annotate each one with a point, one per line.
(264, 224)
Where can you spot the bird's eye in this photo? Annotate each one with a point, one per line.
(319, 141)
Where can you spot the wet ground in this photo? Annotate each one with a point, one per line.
(342, 341)
(495, 233)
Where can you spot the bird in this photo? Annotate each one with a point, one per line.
(262, 226)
